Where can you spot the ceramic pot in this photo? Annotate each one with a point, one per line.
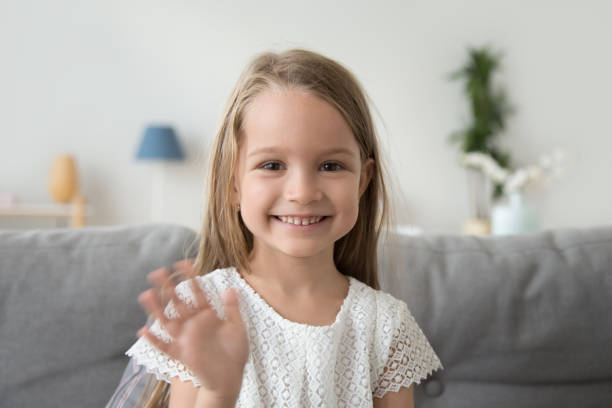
(513, 217)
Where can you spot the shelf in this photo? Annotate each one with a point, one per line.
(42, 210)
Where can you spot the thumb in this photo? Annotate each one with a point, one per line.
(232, 310)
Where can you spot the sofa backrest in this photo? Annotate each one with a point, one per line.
(69, 308)
(517, 321)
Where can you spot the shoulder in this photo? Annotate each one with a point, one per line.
(386, 319)
(392, 317)
(384, 306)
(380, 314)
(388, 303)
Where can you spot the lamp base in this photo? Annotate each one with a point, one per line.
(157, 198)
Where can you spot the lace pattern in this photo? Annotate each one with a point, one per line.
(373, 347)
(410, 356)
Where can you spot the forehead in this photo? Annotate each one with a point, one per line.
(295, 120)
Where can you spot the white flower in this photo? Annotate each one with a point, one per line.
(549, 166)
(486, 164)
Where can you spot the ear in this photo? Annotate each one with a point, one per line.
(367, 170)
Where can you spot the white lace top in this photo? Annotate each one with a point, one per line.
(374, 346)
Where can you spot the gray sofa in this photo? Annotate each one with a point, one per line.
(69, 308)
(519, 321)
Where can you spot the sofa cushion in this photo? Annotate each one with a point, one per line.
(69, 308)
(516, 320)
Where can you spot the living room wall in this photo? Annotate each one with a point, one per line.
(85, 77)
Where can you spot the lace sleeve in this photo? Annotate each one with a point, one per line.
(155, 361)
(409, 357)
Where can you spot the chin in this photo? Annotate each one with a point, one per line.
(301, 251)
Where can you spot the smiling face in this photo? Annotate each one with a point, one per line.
(298, 161)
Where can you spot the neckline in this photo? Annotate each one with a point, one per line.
(290, 323)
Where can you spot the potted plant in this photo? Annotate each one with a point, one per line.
(489, 110)
(514, 217)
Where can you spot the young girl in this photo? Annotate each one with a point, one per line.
(284, 308)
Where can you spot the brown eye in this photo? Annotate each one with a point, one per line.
(271, 166)
(331, 167)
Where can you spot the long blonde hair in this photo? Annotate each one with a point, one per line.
(225, 241)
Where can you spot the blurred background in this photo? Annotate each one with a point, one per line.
(84, 79)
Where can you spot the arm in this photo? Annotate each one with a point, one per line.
(184, 394)
(404, 398)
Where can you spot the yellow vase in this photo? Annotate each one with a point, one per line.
(63, 183)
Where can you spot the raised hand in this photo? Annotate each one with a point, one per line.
(215, 350)
(159, 277)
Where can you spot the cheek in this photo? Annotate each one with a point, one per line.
(347, 198)
(257, 198)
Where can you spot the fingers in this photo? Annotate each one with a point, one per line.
(182, 309)
(232, 309)
(184, 264)
(158, 276)
(184, 269)
(198, 293)
(159, 344)
(149, 301)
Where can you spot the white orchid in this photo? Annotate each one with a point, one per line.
(486, 164)
(550, 166)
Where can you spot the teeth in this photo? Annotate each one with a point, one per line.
(300, 221)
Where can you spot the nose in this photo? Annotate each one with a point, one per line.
(302, 187)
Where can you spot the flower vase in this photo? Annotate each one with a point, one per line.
(514, 217)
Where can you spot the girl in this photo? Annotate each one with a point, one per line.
(284, 308)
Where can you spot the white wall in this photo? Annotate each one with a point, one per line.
(85, 77)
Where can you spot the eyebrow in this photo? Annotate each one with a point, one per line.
(334, 150)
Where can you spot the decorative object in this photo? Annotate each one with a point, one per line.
(63, 181)
(64, 188)
(159, 144)
(489, 108)
(513, 217)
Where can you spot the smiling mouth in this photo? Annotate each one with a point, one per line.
(303, 221)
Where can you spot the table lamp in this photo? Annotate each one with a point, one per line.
(158, 145)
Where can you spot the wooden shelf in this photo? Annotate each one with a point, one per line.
(76, 213)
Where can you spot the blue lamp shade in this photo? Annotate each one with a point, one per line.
(160, 142)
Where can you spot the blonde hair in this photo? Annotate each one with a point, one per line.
(225, 241)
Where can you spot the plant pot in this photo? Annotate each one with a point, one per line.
(514, 217)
